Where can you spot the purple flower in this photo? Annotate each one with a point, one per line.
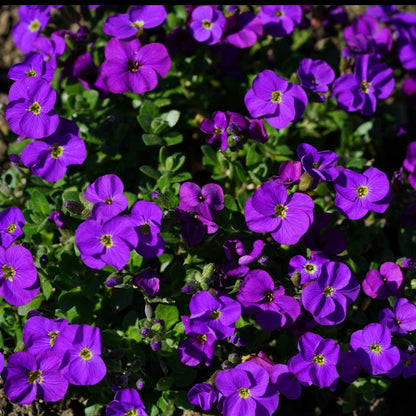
(406, 366)
(315, 75)
(126, 402)
(216, 126)
(372, 348)
(128, 66)
(80, 349)
(27, 376)
(30, 110)
(58, 218)
(382, 13)
(327, 297)
(50, 157)
(33, 65)
(50, 48)
(348, 367)
(259, 294)
(406, 44)
(242, 29)
(372, 80)
(357, 193)
(127, 25)
(148, 281)
(215, 314)
(40, 333)
(402, 319)
(409, 163)
(207, 201)
(316, 361)
(319, 165)
(107, 243)
(384, 283)
(275, 98)
(280, 20)
(271, 209)
(192, 229)
(309, 269)
(364, 36)
(11, 223)
(285, 381)
(197, 347)
(203, 395)
(289, 173)
(32, 20)
(245, 390)
(207, 24)
(19, 281)
(106, 193)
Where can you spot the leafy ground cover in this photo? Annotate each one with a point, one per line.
(207, 210)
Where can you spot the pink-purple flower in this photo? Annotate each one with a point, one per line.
(279, 20)
(207, 24)
(402, 319)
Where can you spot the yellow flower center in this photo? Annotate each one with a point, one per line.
(268, 296)
(319, 359)
(280, 210)
(34, 25)
(276, 97)
(106, 240)
(309, 268)
(108, 201)
(279, 13)
(407, 362)
(215, 314)
(375, 348)
(364, 86)
(56, 151)
(52, 335)
(328, 291)
(35, 377)
(145, 228)
(8, 272)
(131, 412)
(138, 23)
(207, 24)
(11, 228)
(217, 130)
(244, 393)
(202, 339)
(362, 191)
(31, 73)
(35, 108)
(316, 165)
(85, 354)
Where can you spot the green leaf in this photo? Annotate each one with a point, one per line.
(149, 171)
(172, 117)
(39, 202)
(145, 122)
(169, 313)
(91, 97)
(149, 109)
(33, 304)
(173, 137)
(159, 125)
(152, 139)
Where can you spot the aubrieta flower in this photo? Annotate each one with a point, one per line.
(316, 361)
(40, 333)
(364, 36)
(148, 281)
(106, 243)
(285, 381)
(215, 314)
(58, 218)
(216, 127)
(372, 348)
(203, 395)
(19, 281)
(50, 157)
(51, 48)
(33, 65)
(127, 25)
(308, 268)
(402, 319)
(359, 193)
(12, 222)
(372, 80)
(79, 346)
(289, 173)
(348, 366)
(389, 281)
(126, 402)
(259, 294)
(405, 367)
(271, 209)
(30, 110)
(242, 29)
(315, 76)
(129, 66)
(278, 100)
(246, 390)
(327, 297)
(27, 376)
(207, 24)
(106, 193)
(32, 20)
(409, 163)
(206, 201)
(280, 20)
(319, 165)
